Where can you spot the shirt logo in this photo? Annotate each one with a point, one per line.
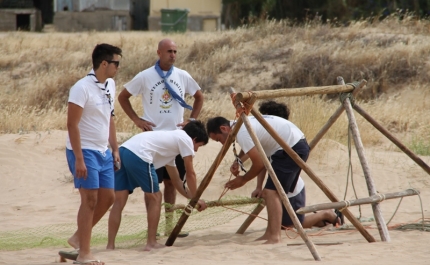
(166, 99)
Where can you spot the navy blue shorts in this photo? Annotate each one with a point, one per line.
(162, 171)
(296, 202)
(286, 169)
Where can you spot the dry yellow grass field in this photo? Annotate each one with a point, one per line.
(38, 69)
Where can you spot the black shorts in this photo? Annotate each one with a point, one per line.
(162, 171)
(286, 169)
(296, 202)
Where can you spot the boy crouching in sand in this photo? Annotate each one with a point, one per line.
(140, 156)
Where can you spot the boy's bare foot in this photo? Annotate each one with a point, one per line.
(74, 241)
(149, 247)
(263, 237)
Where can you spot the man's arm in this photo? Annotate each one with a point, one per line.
(176, 181)
(198, 104)
(191, 181)
(124, 101)
(256, 167)
(74, 114)
(113, 141)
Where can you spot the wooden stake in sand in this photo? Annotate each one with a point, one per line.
(279, 188)
(203, 185)
(382, 227)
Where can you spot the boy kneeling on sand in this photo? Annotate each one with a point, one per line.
(140, 156)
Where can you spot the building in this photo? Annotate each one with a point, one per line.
(105, 15)
(25, 15)
(203, 15)
(98, 15)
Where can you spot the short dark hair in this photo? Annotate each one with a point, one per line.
(104, 52)
(274, 108)
(213, 125)
(196, 129)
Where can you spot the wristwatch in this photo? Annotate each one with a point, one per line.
(191, 119)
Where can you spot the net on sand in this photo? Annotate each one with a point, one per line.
(133, 229)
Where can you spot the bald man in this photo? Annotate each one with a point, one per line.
(162, 88)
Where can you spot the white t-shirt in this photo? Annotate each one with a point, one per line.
(287, 130)
(299, 187)
(159, 107)
(97, 101)
(160, 147)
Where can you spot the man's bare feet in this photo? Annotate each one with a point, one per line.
(74, 241)
(263, 237)
(88, 259)
(110, 247)
(149, 247)
(273, 241)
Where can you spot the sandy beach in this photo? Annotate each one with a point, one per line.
(36, 191)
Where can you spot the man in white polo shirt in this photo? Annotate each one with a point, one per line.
(162, 88)
(297, 197)
(287, 171)
(91, 128)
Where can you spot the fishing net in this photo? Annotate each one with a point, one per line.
(133, 229)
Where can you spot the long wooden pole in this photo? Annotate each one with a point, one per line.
(219, 203)
(393, 139)
(312, 175)
(368, 200)
(335, 115)
(203, 185)
(379, 219)
(279, 188)
(289, 92)
(251, 218)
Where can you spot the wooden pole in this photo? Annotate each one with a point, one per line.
(335, 116)
(289, 92)
(379, 219)
(279, 188)
(203, 185)
(251, 218)
(312, 175)
(218, 203)
(393, 139)
(368, 200)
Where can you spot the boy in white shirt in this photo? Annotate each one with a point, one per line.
(140, 156)
(91, 128)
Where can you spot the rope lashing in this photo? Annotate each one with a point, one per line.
(241, 107)
(381, 197)
(188, 210)
(349, 95)
(347, 204)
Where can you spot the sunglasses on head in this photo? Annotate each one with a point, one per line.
(114, 62)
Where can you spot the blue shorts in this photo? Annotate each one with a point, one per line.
(135, 172)
(100, 172)
(296, 202)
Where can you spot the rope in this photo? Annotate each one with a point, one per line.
(344, 96)
(347, 204)
(241, 107)
(350, 171)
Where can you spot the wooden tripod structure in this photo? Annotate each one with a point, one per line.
(244, 101)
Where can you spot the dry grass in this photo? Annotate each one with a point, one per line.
(37, 71)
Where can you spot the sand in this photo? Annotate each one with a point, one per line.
(35, 191)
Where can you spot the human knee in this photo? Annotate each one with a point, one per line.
(156, 196)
